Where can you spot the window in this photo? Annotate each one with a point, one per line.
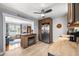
(14, 29)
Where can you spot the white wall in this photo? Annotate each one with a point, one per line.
(2, 34)
(36, 28)
(58, 32)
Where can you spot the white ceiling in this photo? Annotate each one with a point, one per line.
(59, 9)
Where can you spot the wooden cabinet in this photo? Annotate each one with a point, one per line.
(73, 14)
(29, 30)
(76, 6)
(45, 30)
(25, 40)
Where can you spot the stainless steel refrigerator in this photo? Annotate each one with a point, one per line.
(45, 33)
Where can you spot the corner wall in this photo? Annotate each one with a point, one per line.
(1, 34)
(36, 28)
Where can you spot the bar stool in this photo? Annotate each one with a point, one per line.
(77, 41)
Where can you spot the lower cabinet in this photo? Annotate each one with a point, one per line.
(27, 40)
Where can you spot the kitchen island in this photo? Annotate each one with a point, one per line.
(27, 40)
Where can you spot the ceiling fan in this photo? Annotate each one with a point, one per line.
(43, 11)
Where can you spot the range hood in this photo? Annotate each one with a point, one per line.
(74, 24)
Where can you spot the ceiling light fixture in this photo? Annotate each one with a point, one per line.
(42, 15)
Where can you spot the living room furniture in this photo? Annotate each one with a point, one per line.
(27, 40)
(45, 30)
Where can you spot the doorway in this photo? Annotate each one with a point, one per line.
(15, 26)
(13, 32)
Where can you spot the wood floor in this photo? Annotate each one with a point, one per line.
(39, 49)
(63, 48)
(11, 47)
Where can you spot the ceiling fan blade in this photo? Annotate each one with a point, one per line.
(48, 11)
(43, 11)
(37, 12)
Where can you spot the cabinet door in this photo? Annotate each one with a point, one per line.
(70, 12)
(76, 11)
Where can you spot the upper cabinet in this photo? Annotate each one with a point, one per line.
(76, 5)
(73, 14)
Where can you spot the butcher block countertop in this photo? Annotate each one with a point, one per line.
(64, 48)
